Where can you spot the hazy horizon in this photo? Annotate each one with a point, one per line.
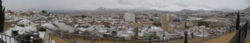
(166, 5)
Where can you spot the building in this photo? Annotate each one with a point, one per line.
(129, 17)
(166, 20)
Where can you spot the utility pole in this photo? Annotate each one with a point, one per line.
(1, 17)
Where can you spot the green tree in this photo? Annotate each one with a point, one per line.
(1, 16)
(203, 23)
(238, 20)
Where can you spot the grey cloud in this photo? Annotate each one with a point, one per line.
(170, 5)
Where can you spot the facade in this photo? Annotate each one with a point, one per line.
(166, 20)
(129, 17)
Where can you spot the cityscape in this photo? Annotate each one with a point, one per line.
(120, 25)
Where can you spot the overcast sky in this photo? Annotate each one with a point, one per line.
(168, 5)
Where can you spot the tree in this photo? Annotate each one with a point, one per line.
(1, 17)
(185, 37)
(203, 23)
(238, 20)
(43, 11)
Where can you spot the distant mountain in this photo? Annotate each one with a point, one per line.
(247, 9)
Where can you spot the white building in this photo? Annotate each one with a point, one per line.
(129, 17)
